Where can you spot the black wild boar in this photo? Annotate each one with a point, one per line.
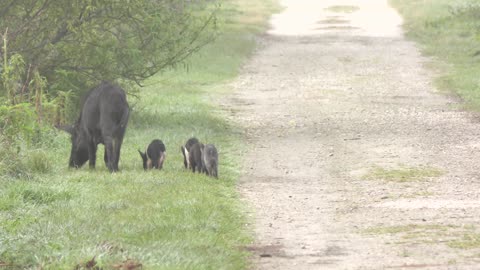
(210, 160)
(103, 119)
(186, 150)
(154, 156)
(195, 157)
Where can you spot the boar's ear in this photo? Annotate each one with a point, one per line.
(184, 151)
(67, 128)
(144, 159)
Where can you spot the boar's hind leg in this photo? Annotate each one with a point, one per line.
(92, 154)
(105, 158)
(109, 149)
(117, 145)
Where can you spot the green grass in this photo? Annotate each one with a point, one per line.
(459, 237)
(421, 194)
(470, 240)
(450, 32)
(409, 229)
(334, 21)
(52, 217)
(402, 174)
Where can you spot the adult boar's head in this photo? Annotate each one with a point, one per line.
(79, 151)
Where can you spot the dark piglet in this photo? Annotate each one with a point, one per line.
(103, 119)
(186, 151)
(195, 158)
(210, 160)
(154, 156)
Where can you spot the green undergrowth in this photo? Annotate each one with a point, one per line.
(449, 31)
(52, 217)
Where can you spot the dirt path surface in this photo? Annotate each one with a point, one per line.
(354, 161)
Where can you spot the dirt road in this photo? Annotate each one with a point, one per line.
(355, 161)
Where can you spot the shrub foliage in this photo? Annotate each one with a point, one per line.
(58, 46)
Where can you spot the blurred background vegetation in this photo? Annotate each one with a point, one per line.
(449, 32)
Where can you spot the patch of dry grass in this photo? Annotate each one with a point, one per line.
(342, 9)
(402, 174)
(459, 237)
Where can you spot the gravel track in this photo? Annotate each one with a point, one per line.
(332, 95)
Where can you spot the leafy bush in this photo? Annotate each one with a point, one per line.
(20, 134)
(18, 122)
(75, 45)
